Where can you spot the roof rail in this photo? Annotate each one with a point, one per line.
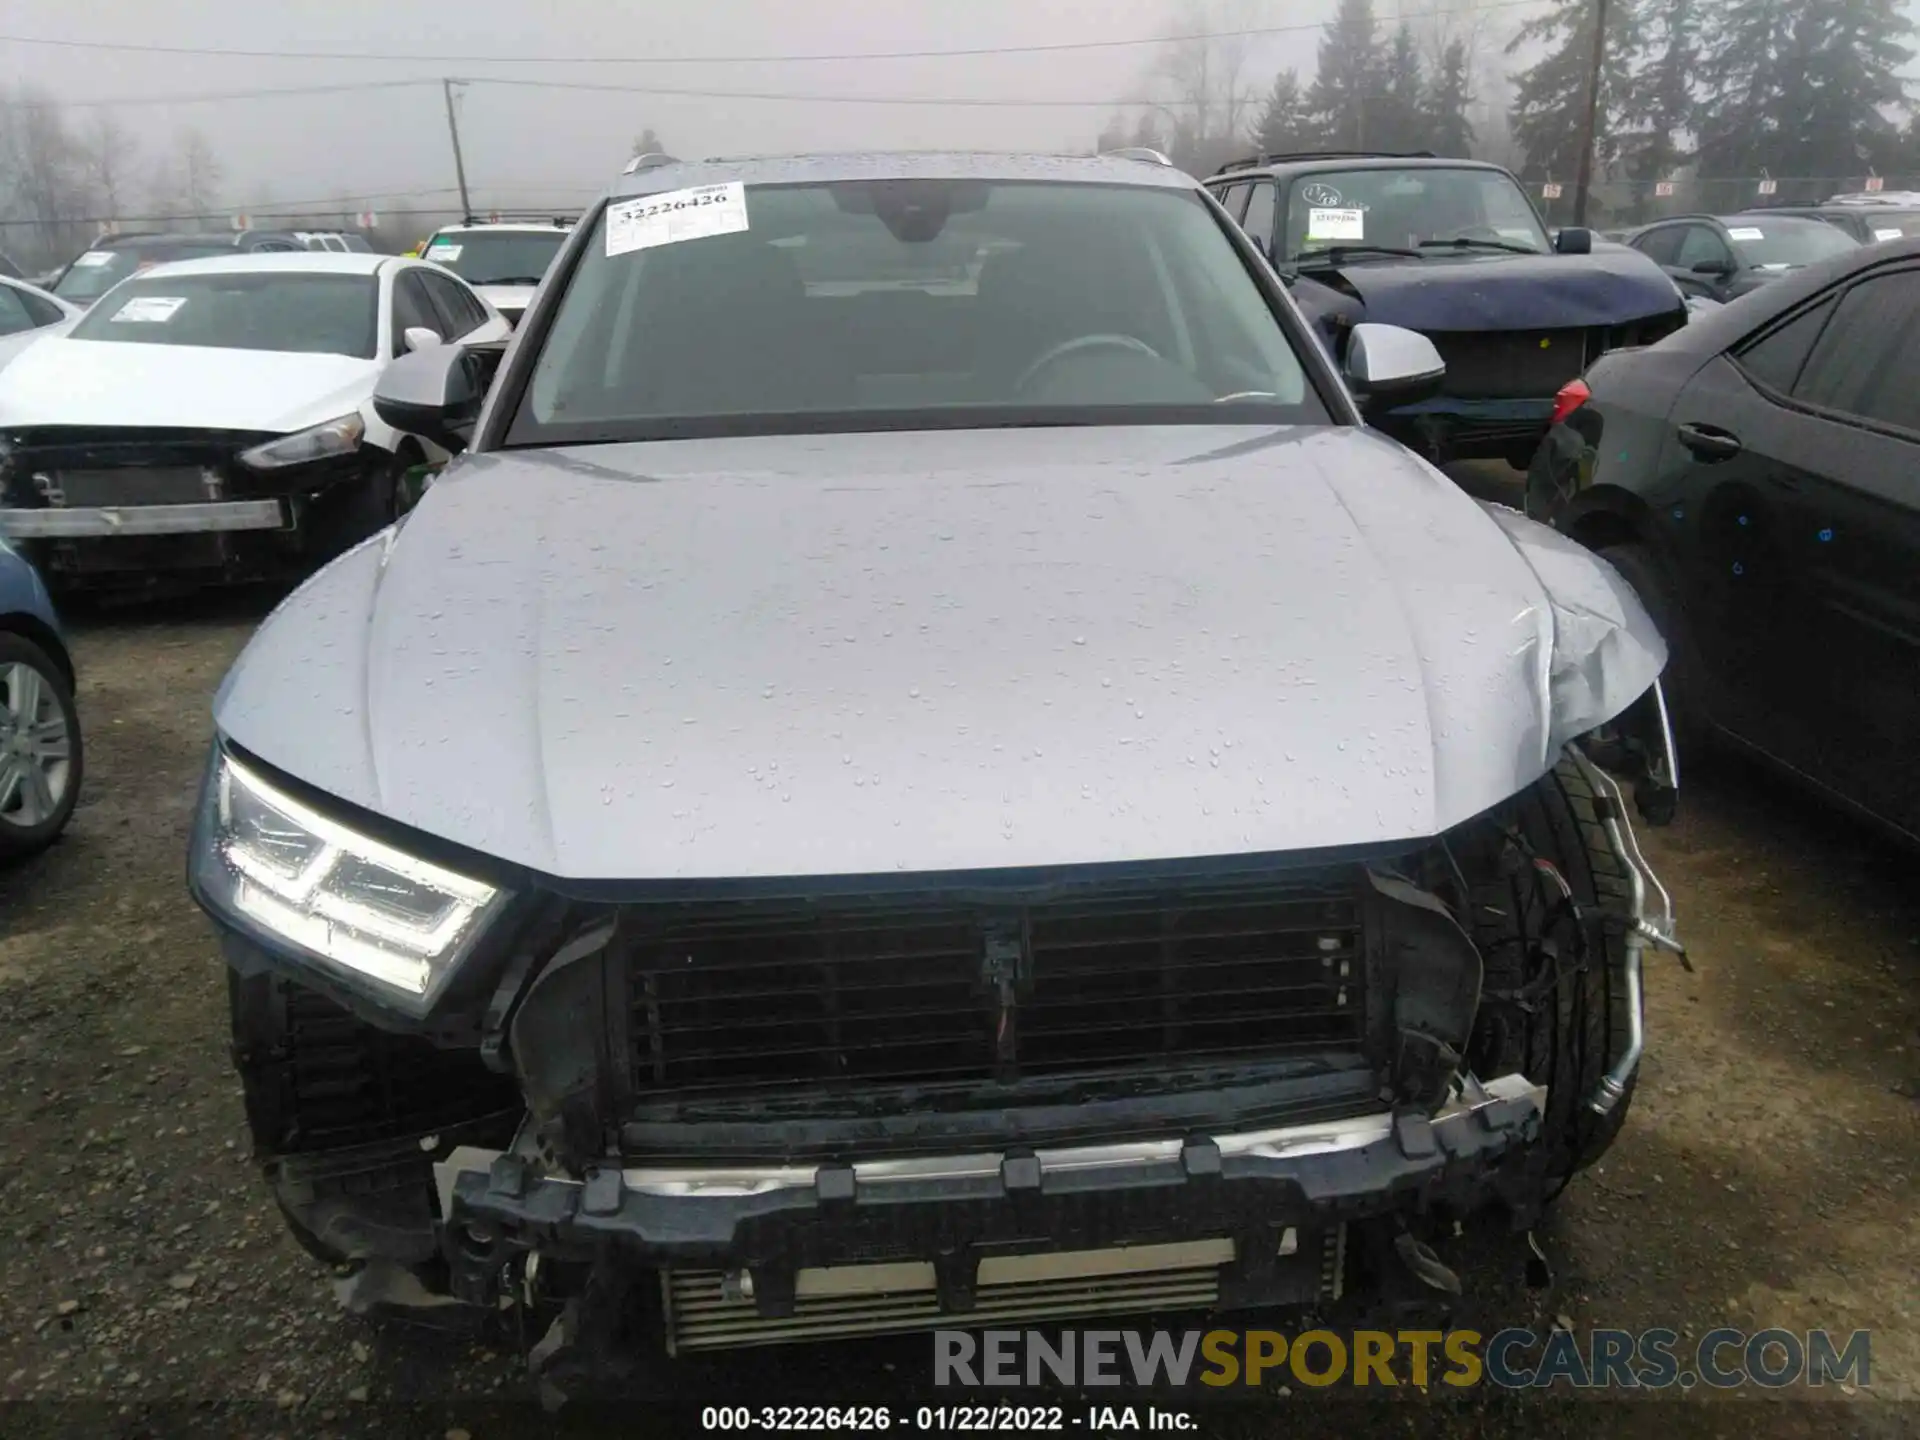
(1281, 156)
(651, 160)
(1139, 152)
(520, 217)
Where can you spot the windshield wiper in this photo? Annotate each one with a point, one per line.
(1462, 242)
(1334, 254)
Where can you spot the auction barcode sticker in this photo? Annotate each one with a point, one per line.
(1329, 223)
(676, 215)
(150, 308)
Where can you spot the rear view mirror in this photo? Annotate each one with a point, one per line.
(435, 393)
(1574, 240)
(419, 337)
(1387, 363)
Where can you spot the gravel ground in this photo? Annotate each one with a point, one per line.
(1765, 1177)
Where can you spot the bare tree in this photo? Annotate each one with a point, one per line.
(110, 154)
(1209, 102)
(45, 172)
(200, 173)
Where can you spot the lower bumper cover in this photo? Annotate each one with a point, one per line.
(955, 1211)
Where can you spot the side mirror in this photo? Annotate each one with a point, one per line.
(1713, 267)
(419, 337)
(1574, 240)
(435, 393)
(1386, 364)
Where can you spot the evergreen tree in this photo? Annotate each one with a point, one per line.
(1749, 86)
(1284, 125)
(1346, 82)
(1661, 109)
(1113, 135)
(648, 143)
(1448, 100)
(1397, 122)
(1854, 53)
(1146, 134)
(1550, 97)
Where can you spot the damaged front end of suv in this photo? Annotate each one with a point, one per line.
(709, 881)
(695, 1115)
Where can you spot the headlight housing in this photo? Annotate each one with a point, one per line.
(343, 900)
(326, 441)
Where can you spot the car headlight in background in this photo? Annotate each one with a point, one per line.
(303, 447)
(334, 893)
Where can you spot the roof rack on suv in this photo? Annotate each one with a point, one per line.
(651, 160)
(1280, 157)
(523, 217)
(1139, 152)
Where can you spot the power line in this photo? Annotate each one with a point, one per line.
(281, 92)
(1056, 47)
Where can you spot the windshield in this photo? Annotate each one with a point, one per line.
(496, 257)
(1781, 242)
(1891, 224)
(98, 271)
(893, 304)
(242, 310)
(1406, 209)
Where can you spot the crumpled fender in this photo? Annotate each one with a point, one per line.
(1606, 651)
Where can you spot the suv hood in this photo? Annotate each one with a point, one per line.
(1492, 290)
(62, 381)
(939, 651)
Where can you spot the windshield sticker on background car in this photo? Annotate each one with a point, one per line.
(443, 251)
(151, 309)
(677, 215)
(1747, 232)
(92, 258)
(1327, 223)
(1322, 195)
(1886, 234)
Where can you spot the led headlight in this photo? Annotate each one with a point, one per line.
(338, 895)
(303, 447)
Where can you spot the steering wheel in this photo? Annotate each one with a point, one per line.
(1079, 344)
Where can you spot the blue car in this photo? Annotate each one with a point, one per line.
(40, 754)
(1455, 250)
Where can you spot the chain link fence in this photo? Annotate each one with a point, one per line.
(1618, 204)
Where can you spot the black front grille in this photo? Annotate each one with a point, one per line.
(1508, 364)
(333, 1080)
(875, 992)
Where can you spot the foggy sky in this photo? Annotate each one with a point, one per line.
(539, 147)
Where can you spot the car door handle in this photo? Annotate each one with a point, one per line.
(1710, 442)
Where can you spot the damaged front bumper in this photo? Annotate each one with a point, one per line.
(754, 1255)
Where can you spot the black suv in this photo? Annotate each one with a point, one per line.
(1456, 250)
(1871, 217)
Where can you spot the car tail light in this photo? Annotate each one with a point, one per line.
(1572, 396)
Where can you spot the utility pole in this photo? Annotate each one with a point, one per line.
(460, 165)
(1584, 182)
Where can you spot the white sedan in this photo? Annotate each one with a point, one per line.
(212, 419)
(29, 314)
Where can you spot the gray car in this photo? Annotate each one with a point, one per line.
(925, 766)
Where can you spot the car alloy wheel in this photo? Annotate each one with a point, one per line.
(36, 748)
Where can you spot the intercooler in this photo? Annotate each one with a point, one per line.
(705, 1310)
